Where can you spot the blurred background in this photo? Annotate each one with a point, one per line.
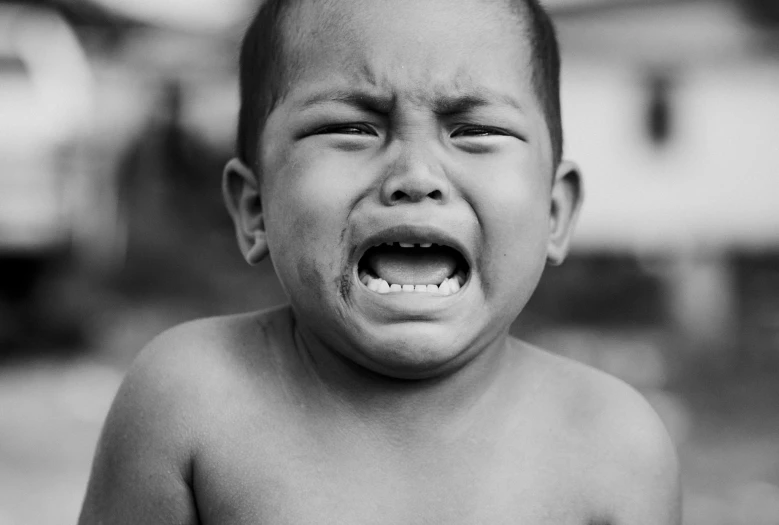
(116, 118)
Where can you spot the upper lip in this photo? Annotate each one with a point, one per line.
(413, 234)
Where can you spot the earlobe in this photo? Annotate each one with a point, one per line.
(566, 201)
(257, 251)
(241, 193)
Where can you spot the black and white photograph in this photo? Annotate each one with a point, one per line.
(389, 262)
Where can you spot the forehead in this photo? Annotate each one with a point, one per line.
(420, 48)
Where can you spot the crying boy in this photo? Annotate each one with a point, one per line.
(399, 161)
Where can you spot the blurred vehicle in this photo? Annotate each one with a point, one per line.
(47, 184)
(44, 103)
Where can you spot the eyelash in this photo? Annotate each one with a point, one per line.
(480, 131)
(353, 129)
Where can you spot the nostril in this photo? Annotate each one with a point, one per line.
(398, 196)
(436, 195)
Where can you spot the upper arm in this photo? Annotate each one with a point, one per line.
(142, 467)
(651, 478)
(640, 476)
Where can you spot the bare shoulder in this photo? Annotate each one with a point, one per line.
(182, 376)
(623, 442)
(162, 411)
(199, 352)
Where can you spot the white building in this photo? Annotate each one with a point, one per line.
(671, 108)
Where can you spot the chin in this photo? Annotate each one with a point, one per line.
(413, 350)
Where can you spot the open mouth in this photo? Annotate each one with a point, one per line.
(401, 267)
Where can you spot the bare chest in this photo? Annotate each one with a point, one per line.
(293, 481)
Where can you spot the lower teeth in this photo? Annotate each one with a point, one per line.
(379, 285)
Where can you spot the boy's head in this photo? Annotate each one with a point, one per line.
(265, 68)
(402, 184)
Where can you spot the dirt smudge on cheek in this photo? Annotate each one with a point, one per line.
(344, 285)
(302, 242)
(343, 236)
(319, 266)
(319, 287)
(344, 282)
(310, 277)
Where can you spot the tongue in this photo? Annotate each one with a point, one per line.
(412, 265)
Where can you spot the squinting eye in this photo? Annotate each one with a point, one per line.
(477, 131)
(346, 129)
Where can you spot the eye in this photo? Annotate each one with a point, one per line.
(469, 130)
(346, 129)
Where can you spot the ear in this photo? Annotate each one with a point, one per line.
(241, 192)
(566, 200)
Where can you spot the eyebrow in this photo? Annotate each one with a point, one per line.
(358, 98)
(443, 104)
(458, 104)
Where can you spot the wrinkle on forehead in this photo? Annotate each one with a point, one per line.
(460, 96)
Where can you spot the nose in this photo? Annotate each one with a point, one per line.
(415, 175)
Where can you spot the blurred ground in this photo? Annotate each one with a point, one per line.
(51, 413)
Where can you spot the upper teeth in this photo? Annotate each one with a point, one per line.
(447, 287)
(410, 244)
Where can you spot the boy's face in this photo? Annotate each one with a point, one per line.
(408, 121)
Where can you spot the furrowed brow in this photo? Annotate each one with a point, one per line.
(359, 99)
(446, 105)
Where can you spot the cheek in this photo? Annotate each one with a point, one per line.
(291, 226)
(518, 240)
(516, 229)
(306, 211)
(310, 279)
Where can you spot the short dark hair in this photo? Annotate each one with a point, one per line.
(262, 83)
